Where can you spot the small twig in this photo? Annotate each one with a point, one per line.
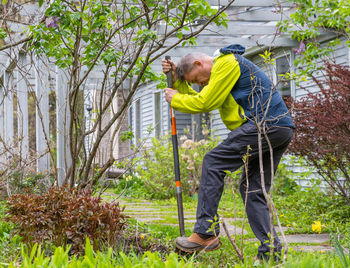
(233, 243)
(234, 211)
(246, 163)
(274, 211)
(16, 43)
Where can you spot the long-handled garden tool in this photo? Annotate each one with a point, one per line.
(180, 210)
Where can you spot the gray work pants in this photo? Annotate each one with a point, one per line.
(228, 156)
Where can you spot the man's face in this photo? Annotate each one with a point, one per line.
(200, 74)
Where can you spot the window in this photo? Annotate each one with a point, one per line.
(283, 67)
(157, 114)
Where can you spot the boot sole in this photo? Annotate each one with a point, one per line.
(200, 248)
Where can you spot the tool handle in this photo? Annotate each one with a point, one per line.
(169, 75)
(180, 210)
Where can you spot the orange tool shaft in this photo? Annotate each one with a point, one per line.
(180, 210)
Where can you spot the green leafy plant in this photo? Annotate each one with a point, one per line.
(156, 166)
(19, 182)
(304, 206)
(339, 250)
(60, 258)
(233, 179)
(66, 216)
(285, 178)
(9, 244)
(130, 185)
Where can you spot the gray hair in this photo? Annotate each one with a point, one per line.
(186, 64)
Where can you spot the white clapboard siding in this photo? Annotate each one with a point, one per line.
(183, 121)
(137, 118)
(146, 96)
(147, 111)
(42, 118)
(8, 106)
(218, 127)
(340, 55)
(22, 108)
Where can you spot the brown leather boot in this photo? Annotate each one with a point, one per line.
(196, 243)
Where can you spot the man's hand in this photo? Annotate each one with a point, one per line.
(169, 94)
(169, 65)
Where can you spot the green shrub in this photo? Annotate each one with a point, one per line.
(284, 182)
(156, 166)
(130, 185)
(65, 216)
(9, 244)
(310, 204)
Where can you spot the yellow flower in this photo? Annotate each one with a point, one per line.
(317, 227)
(323, 251)
(302, 249)
(142, 237)
(288, 225)
(282, 215)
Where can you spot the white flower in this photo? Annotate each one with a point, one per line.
(190, 167)
(183, 138)
(185, 158)
(187, 144)
(203, 142)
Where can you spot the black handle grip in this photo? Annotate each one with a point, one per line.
(169, 76)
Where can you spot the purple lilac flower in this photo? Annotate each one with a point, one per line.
(301, 48)
(52, 22)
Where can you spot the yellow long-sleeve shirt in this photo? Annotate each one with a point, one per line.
(216, 95)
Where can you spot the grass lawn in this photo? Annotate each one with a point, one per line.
(152, 226)
(296, 213)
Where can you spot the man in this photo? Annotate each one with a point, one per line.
(244, 96)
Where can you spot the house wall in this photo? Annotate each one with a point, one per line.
(145, 95)
(341, 56)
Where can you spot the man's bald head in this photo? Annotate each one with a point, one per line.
(186, 63)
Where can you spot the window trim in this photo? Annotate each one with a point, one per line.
(291, 56)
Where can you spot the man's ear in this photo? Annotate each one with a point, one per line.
(197, 63)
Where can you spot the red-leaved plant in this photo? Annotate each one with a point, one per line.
(322, 133)
(66, 216)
